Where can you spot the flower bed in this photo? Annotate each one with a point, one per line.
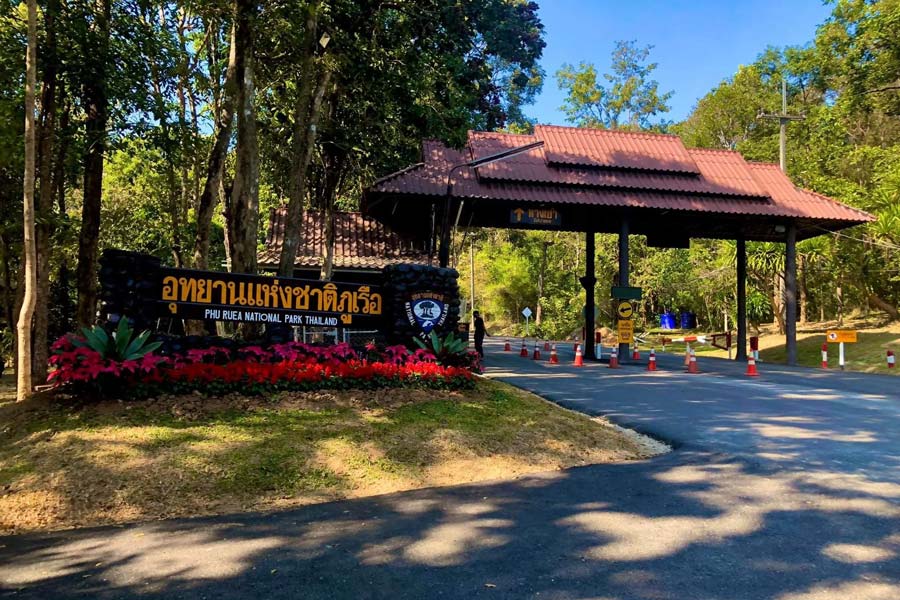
(250, 370)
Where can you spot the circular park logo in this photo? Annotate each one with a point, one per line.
(426, 310)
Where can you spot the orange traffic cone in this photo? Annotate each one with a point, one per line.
(692, 364)
(651, 362)
(507, 347)
(546, 346)
(614, 359)
(636, 355)
(751, 367)
(579, 359)
(537, 353)
(554, 358)
(524, 351)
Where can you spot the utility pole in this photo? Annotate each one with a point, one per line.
(790, 243)
(783, 119)
(472, 281)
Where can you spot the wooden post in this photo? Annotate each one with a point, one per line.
(588, 282)
(741, 353)
(624, 354)
(790, 293)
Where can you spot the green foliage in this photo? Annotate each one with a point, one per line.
(630, 99)
(450, 351)
(122, 345)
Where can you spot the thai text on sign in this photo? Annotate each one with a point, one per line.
(841, 336)
(534, 216)
(625, 331)
(237, 297)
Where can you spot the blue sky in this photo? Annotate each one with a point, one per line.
(696, 43)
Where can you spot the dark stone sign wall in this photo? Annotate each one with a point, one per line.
(413, 300)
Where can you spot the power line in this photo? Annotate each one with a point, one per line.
(850, 237)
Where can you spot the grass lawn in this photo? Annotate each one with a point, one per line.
(68, 466)
(868, 355)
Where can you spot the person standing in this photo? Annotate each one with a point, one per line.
(480, 332)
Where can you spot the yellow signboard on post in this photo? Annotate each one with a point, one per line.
(626, 331)
(841, 336)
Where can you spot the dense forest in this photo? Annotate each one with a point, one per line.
(170, 127)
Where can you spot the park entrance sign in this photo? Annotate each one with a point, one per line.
(412, 300)
(207, 295)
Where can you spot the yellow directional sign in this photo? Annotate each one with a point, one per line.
(845, 336)
(626, 310)
(626, 331)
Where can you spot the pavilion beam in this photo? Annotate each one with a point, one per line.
(589, 282)
(624, 267)
(741, 353)
(790, 293)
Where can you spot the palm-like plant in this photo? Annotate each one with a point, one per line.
(122, 345)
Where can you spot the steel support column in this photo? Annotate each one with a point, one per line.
(624, 349)
(741, 353)
(589, 281)
(790, 293)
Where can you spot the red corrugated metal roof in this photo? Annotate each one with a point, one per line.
(721, 181)
(617, 149)
(359, 242)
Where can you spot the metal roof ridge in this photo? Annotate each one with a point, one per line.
(595, 130)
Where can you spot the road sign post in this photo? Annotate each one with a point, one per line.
(841, 337)
(526, 312)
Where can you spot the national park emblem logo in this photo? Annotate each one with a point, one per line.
(426, 310)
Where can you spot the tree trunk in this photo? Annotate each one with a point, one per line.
(778, 302)
(96, 109)
(243, 209)
(335, 163)
(884, 305)
(216, 163)
(306, 118)
(24, 384)
(43, 226)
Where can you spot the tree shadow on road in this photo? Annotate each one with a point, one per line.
(689, 525)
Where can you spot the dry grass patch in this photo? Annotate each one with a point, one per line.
(63, 465)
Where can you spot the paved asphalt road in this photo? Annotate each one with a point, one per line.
(786, 487)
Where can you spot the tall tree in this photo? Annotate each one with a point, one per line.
(242, 214)
(96, 107)
(24, 384)
(629, 99)
(45, 218)
(215, 165)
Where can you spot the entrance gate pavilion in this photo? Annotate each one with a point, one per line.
(598, 181)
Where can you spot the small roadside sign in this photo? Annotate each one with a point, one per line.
(841, 336)
(626, 293)
(625, 310)
(526, 312)
(625, 331)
